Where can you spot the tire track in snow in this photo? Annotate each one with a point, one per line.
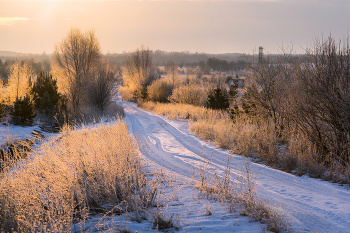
(313, 204)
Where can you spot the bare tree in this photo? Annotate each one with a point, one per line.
(268, 85)
(322, 100)
(140, 72)
(101, 87)
(172, 69)
(310, 95)
(20, 78)
(74, 58)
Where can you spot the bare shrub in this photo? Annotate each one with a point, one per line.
(189, 94)
(126, 93)
(88, 114)
(114, 110)
(160, 90)
(323, 103)
(101, 87)
(307, 99)
(84, 170)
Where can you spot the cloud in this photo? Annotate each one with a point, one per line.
(8, 21)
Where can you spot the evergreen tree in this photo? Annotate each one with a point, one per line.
(218, 99)
(249, 101)
(45, 94)
(23, 112)
(2, 110)
(233, 90)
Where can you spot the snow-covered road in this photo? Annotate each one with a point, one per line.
(312, 204)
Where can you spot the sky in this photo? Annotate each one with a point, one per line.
(210, 26)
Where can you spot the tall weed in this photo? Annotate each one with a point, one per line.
(238, 192)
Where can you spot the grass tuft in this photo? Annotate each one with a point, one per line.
(160, 222)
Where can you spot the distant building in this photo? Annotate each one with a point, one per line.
(261, 54)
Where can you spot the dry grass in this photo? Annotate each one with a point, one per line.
(239, 195)
(7, 139)
(160, 90)
(245, 136)
(63, 180)
(193, 94)
(14, 152)
(183, 111)
(254, 137)
(90, 114)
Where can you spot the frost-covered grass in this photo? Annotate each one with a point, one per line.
(66, 179)
(179, 209)
(254, 137)
(243, 137)
(239, 195)
(183, 111)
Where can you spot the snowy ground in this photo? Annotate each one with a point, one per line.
(14, 132)
(311, 204)
(189, 214)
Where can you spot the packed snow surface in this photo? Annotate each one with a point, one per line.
(312, 204)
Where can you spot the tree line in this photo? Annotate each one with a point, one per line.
(78, 78)
(142, 82)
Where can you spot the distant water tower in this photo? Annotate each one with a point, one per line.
(261, 54)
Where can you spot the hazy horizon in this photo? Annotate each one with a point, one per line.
(214, 27)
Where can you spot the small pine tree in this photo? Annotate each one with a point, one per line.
(23, 112)
(2, 111)
(45, 94)
(218, 99)
(45, 105)
(233, 90)
(248, 101)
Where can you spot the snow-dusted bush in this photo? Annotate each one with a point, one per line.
(189, 94)
(160, 90)
(84, 170)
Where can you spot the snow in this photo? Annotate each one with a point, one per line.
(310, 204)
(14, 132)
(190, 214)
